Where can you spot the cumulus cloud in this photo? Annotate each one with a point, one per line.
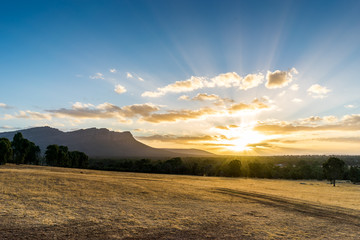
(119, 89)
(251, 81)
(113, 70)
(317, 91)
(256, 104)
(184, 97)
(189, 85)
(226, 80)
(279, 79)
(97, 76)
(206, 97)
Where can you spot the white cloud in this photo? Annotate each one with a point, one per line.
(28, 115)
(206, 97)
(184, 97)
(297, 100)
(113, 70)
(294, 87)
(251, 81)
(317, 91)
(98, 76)
(179, 86)
(350, 106)
(279, 79)
(129, 75)
(282, 93)
(141, 79)
(119, 89)
(227, 80)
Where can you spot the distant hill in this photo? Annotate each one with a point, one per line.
(192, 151)
(100, 143)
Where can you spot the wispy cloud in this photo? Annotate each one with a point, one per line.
(112, 70)
(279, 79)
(97, 76)
(350, 106)
(119, 89)
(297, 100)
(5, 106)
(28, 115)
(105, 111)
(177, 115)
(129, 75)
(317, 91)
(346, 123)
(294, 87)
(7, 127)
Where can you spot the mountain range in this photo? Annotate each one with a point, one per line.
(101, 143)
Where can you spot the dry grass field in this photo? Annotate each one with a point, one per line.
(57, 203)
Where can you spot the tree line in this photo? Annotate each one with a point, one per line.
(22, 151)
(332, 169)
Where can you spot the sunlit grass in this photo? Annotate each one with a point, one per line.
(146, 205)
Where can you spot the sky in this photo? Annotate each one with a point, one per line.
(230, 77)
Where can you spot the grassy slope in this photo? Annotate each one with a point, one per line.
(56, 203)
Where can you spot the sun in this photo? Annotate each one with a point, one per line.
(239, 139)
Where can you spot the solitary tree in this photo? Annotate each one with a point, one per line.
(5, 150)
(334, 168)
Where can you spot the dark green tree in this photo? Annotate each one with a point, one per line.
(63, 157)
(51, 155)
(78, 159)
(233, 169)
(33, 153)
(5, 150)
(354, 174)
(20, 148)
(334, 168)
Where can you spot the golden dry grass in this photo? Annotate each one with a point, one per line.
(57, 203)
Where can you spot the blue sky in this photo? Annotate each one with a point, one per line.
(174, 72)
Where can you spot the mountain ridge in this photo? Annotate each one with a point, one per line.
(100, 143)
